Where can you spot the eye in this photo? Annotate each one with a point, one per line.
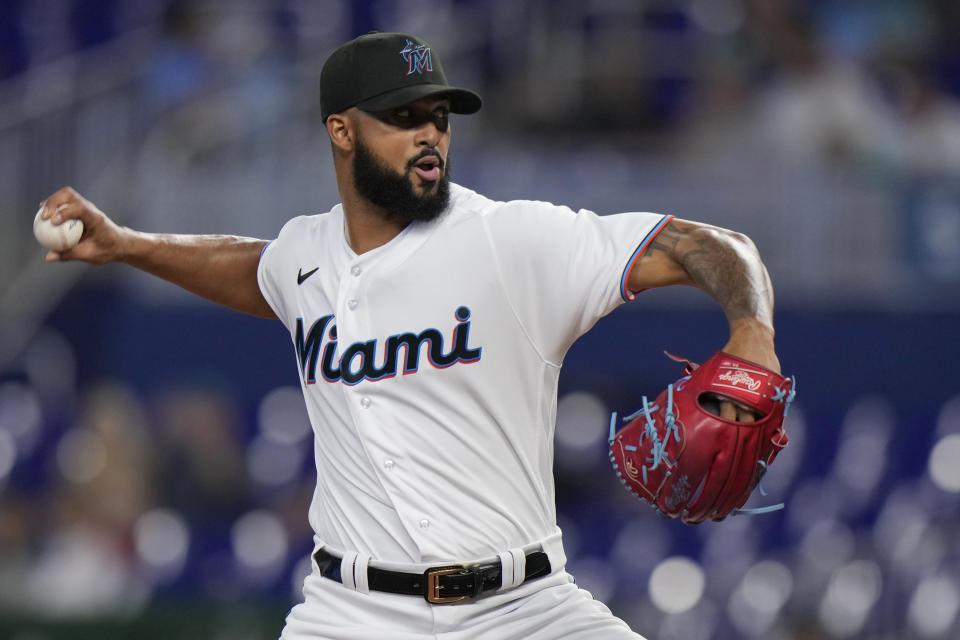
(440, 118)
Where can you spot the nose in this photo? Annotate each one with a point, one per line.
(428, 135)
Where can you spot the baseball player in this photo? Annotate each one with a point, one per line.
(429, 324)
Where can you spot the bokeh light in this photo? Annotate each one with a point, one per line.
(302, 569)
(860, 459)
(81, 455)
(948, 419)
(717, 16)
(697, 623)
(582, 420)
(260, 544)
(20, 415)
(944, 465)
(282, 416)
(851, 594)
(162, 540)
(934, 606)
(640, 544)
(729, 550)
(814, 500)
(920, 550)
(8, 454)
(828, 544)
(273, 463)
(676, 584)
(900, 518)
(756, 602)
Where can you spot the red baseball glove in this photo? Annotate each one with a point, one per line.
(679, 455)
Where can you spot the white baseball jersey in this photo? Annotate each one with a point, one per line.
(430, 366)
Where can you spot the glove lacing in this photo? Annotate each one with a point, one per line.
(786, 397)
(658, 446)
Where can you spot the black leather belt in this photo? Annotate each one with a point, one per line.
(439, 585)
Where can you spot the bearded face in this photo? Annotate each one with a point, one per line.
(405, 197)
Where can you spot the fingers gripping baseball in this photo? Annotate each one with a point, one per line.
(101, 239)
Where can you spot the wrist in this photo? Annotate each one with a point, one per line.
(131, 246)
(752, 339)
(752, 329)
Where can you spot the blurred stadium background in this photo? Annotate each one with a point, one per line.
(154, 457)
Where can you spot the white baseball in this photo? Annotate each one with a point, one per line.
(57, 237)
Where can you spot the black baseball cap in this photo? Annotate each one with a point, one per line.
(380, 71)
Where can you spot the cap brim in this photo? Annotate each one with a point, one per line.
(461, 100)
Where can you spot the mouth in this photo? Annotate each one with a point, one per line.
(428, 168)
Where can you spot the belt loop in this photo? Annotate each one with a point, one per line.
(347, 568)
(553, 546)
(513, 568)
(360, 575)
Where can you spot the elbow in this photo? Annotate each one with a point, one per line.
(729, 236)
(742, 240)
(739, 243)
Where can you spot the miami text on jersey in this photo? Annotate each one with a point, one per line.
(360, 360)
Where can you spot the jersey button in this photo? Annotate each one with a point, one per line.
(365, 402)
(356, 270)
(389, 464)
(424, 523)
(352, 304)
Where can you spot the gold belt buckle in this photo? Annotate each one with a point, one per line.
(433, 585)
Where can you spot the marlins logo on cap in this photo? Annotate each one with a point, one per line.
(368, 73)
(417, 57)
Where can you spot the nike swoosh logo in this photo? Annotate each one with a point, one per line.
(303, 276)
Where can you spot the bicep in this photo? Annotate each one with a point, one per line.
(718, 261)
(230, 276)
(256, 302)
(660, 265)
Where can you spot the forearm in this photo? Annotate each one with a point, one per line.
(727, 267)
(222, 269)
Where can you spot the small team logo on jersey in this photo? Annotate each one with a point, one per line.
(371, 361)
(417, 57)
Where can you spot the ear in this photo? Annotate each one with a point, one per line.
(340, 128)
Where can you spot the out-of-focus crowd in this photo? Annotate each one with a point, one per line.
(874, 82)
(122, 497)
(837, 123)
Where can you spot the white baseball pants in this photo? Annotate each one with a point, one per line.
(548, 608)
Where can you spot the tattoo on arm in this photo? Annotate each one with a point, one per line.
(666, 241)
(723, 264)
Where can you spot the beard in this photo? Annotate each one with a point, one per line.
(393, 192)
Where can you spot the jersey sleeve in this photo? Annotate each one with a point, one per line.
(564, 270)
(275, 273)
